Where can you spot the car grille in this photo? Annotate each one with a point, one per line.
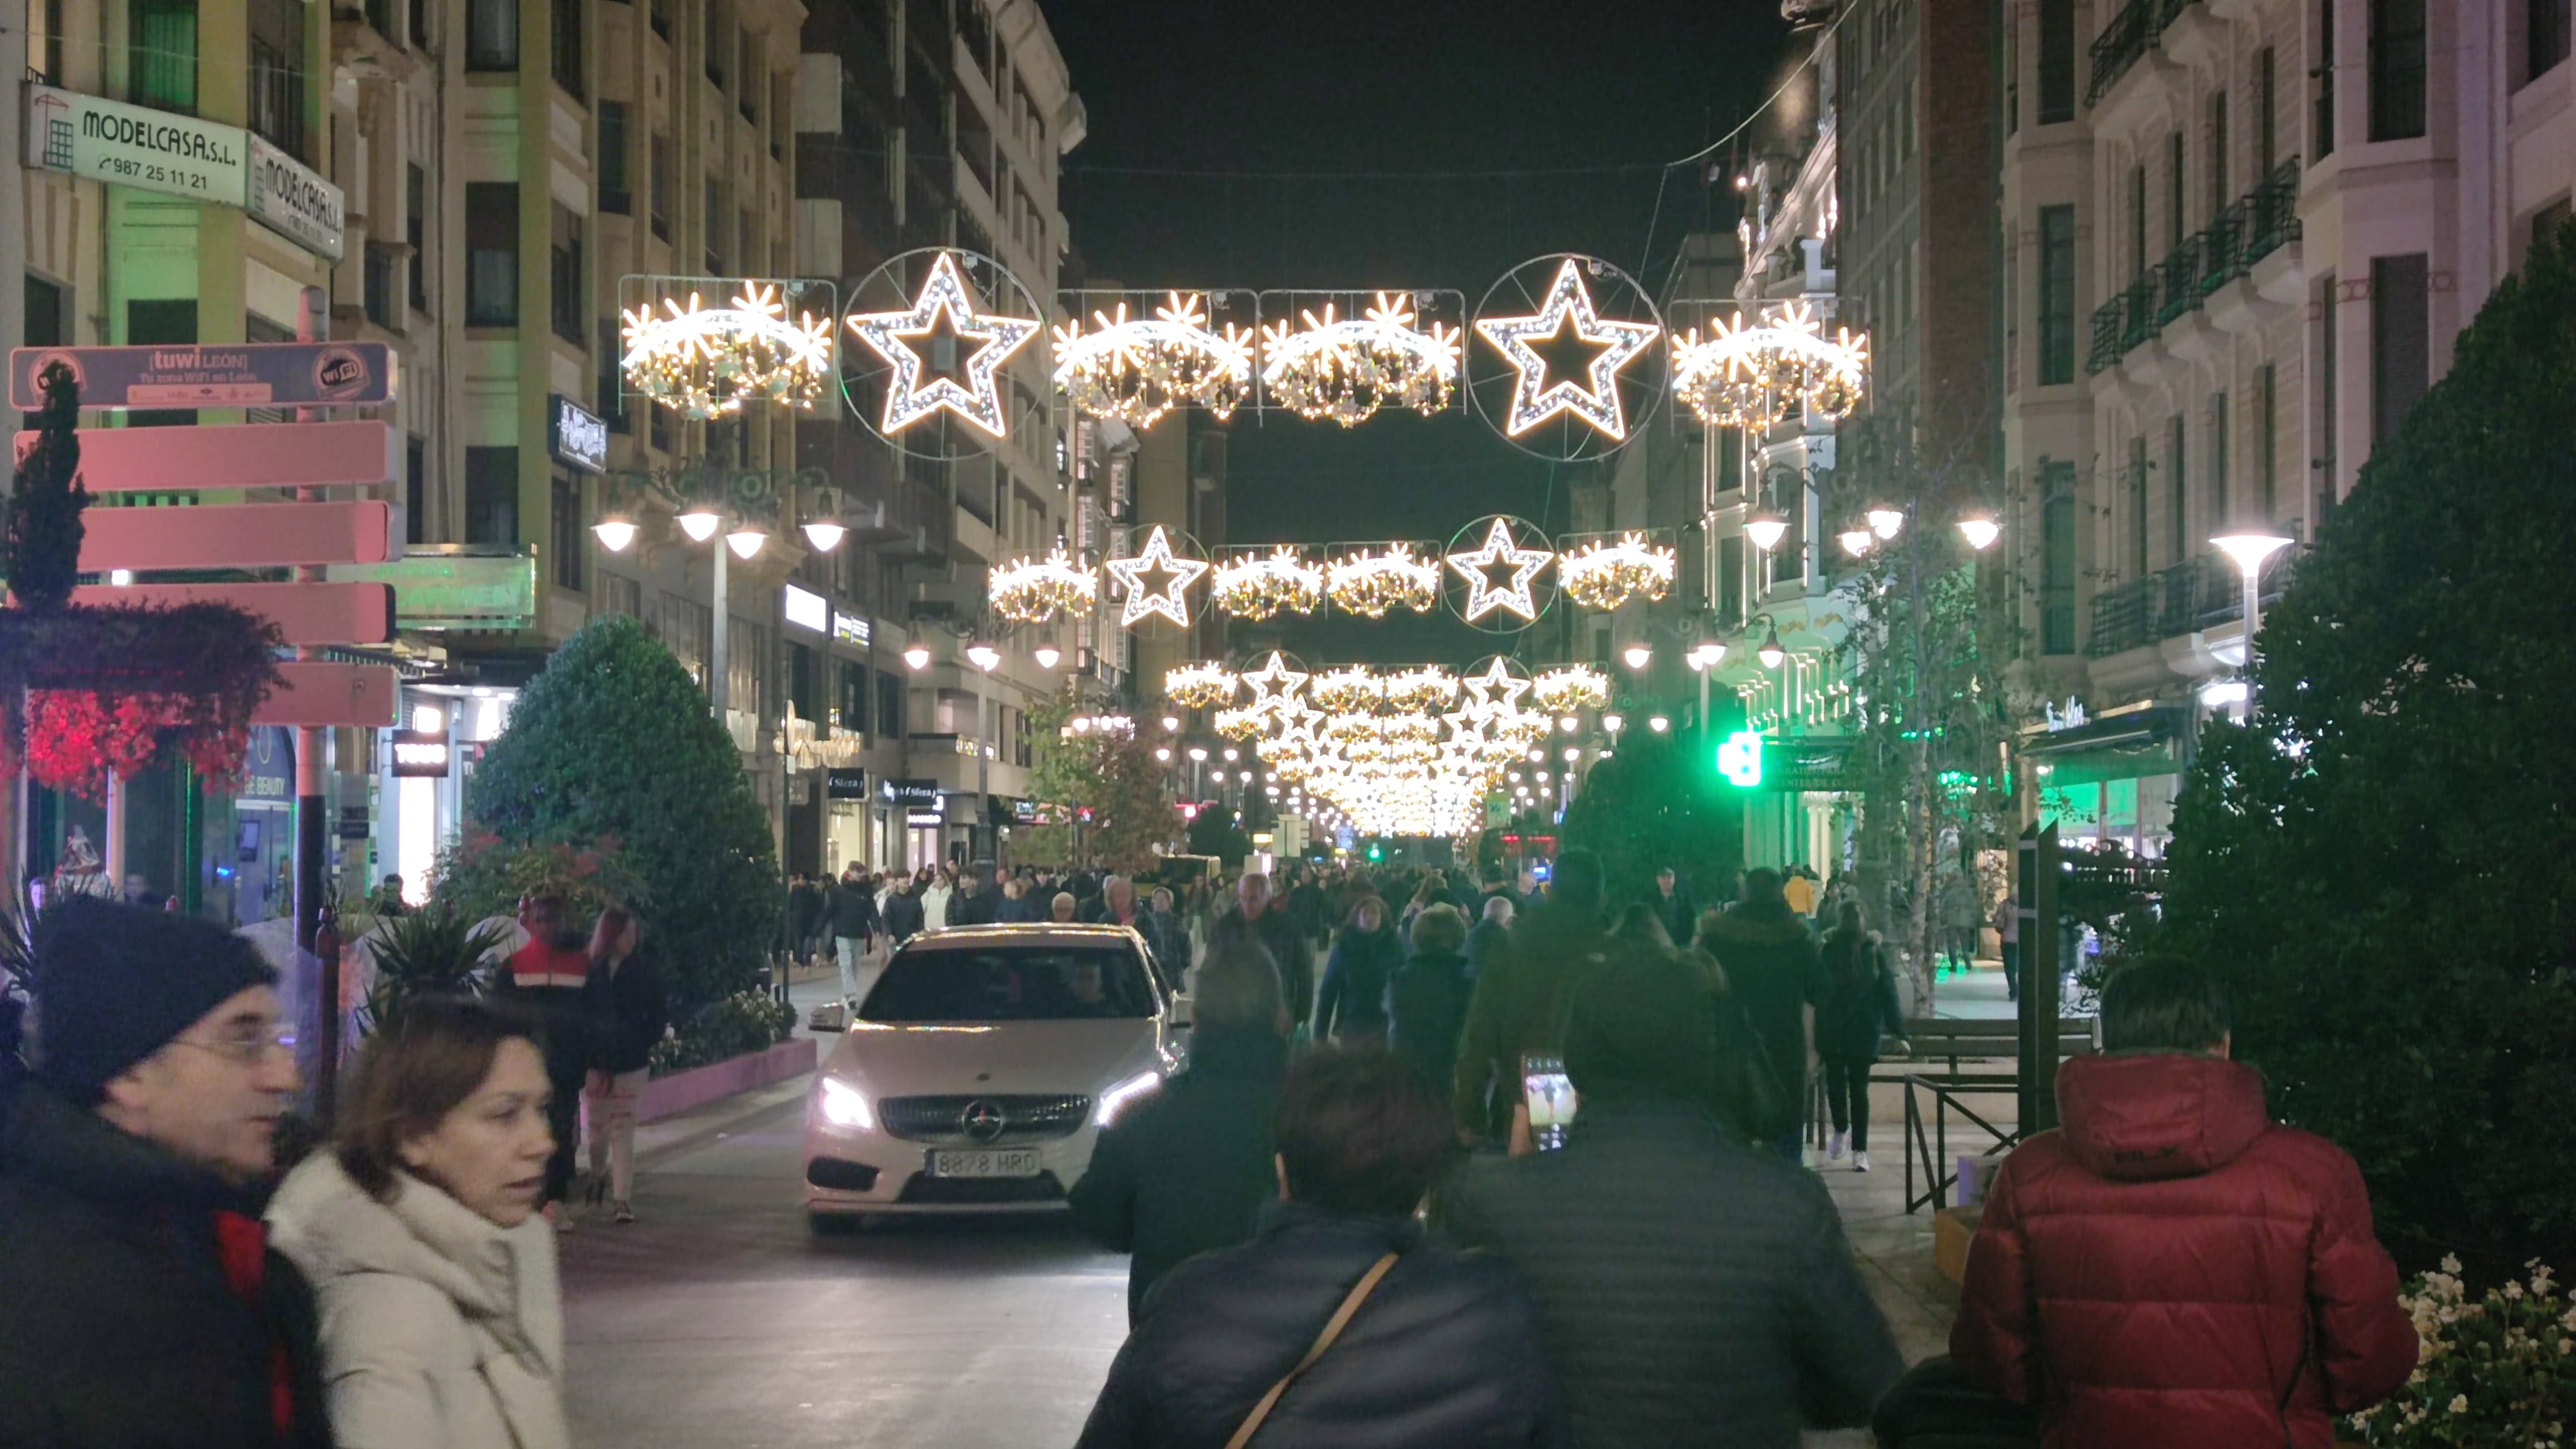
(943, 1119)
(980, 1191)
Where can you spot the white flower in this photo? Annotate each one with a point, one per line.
(2450, 1263)
(2459, 1404)
(2512, 1291)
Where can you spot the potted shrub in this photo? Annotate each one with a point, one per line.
(433, 951)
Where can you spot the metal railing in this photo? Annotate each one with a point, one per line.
(2184, 599)
(2245, 231)
(2125, 40)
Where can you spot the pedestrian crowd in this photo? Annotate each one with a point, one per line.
(1343, 1228)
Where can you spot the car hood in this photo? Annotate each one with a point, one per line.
(1042, 1057)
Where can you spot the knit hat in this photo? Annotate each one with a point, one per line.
(115, 983)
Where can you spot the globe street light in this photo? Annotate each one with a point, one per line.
(1885, 522)
(983, 656)
(1856, 541)
(616, 532)
(1980, 532)
(1771, 653)
(1766, 530)
(1047, 655)
(700, 524)
(1637, 655)
(2251, 551)
(824, 534)
(916, 657)
(745, 542)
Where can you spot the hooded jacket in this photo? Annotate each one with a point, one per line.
(119, 1325)
(1351, 1002)
(440, 1330)
(1770, 965)
(2172, 1267)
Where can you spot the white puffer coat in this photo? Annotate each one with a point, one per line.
(440, 1330)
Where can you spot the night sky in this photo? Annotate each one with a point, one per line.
(1404, 144)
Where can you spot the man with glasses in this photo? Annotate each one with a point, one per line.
(139, 1303)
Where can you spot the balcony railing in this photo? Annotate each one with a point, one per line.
(2250, 228)
(2185, 599)
(2126, 38)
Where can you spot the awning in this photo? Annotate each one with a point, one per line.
(2132, 746)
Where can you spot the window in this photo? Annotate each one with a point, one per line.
(277, 91)
(713, 221)
(2219, 511)
(416, 232)
(2056, 294)
(2173, 191)
(613, 193)
(492, 35)
(420, 24)
(2138, 506)
(889, 705)
(2177, 496)
(975, 28)
(492, 495)
(2267, 438)
(2012, 74)
(564, 532)
(491, 254)
(2548, 220)
(563, 276)
(747, 90)
(566, 27)
(716, 33)
(2329, 404)
(752, 261)
(166, 321)
(2264, 99)
(660, 180)
(2218, 192)
(662, 18)
(853, 704)
(415, 489)
(161, 54)
(2138, 219)
(2396, 69)
(2546, 30)
(2400, 342)
(2057, 557)
(45, 49)
(660, 424)
(612, 382)
(2323, 121)
(1730, 580)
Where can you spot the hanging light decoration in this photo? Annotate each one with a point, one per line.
(1346, 689)
(1372, 585)
(1264, 586)
(706, 362)
(1751, 374)
(1138, 369)
(1242, 724)
(1200, 686)
(1602, 575)
(1569, 688)
(1041, 591)
(1421, 691)
(1346, 369)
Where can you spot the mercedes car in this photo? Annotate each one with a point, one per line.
(980, 1067)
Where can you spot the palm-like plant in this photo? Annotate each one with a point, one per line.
(433, 951)
(18, 922)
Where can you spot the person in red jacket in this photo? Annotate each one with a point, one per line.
(2172, 1267)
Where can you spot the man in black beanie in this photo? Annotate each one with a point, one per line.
(1691, 1290)
(139, 1304)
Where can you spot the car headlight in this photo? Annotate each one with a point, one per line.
(1114, 1100)
(843, 1106)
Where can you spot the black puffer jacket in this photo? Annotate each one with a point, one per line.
(1426, 1008)
(1352, 1001)
(1443, 1355)
(1770, 965)
(625, 1012)
(118, 1329)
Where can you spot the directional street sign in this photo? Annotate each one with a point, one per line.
(237, 536)
(306, 613)
(213, 375)
(330, 695)
(253, 455)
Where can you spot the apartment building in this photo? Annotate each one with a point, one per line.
(2277, 216)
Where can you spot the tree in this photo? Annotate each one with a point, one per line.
(613, 742)
(2382, 868)
(1654, 804)
(44, 536)
(1111, 798)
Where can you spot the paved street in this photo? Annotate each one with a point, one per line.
(719, 1320)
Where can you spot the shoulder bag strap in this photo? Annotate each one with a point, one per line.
(1341, 1319)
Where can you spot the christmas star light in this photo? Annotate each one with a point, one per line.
(1497, 679)
(1171, 600)
(1274, 685)
(1483, 596)
(978, 401)
(1534, 398)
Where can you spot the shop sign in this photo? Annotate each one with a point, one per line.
(845, 784)
(574, 436)
(291, 199)
(924, 819)
(439, 586)
(912, 794)
(850, 629)
(1792, 766)
(804, 608)
(136, 147)
(225, 374)
(421, 755)
(353, 822)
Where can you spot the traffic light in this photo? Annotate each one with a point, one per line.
(1376, 852)
(1739, 759)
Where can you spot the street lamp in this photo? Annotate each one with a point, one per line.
(1573, 753)
(1567, 723)
(1766, 530)
(1980, 531)
(700, 524)
(2251, 551)
(1611, 722)
(1047, 655)
(1771, 653)
(1658, 723)
(745, 542)
(1637, 655)
(1232, 754)
(983, 656)
(1856, 541)
(1171, 724)
(1885, 522)
(824, 534)
(1706, 655)
(616, 532)
(917, 657)
(1198, 755)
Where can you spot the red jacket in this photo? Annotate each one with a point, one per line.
(2174, 1268)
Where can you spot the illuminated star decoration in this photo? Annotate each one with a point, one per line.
(978, 401)
(1497, 677)
(1534, 399)
(1171, 599)
(1274, 685)
(1483, 596)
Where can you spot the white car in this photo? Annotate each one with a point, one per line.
(981, 1067)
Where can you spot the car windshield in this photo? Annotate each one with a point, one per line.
(1011, 983)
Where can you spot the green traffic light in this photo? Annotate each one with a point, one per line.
(1739, 759)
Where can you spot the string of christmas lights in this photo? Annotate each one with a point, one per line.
(1264, 586)
(1346, 369)
(1603, 575)
(1041, 591)
(706, 362)
(1138, 369)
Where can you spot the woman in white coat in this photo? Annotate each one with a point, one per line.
(441, 1315)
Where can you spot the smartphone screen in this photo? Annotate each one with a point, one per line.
(1550, 1096)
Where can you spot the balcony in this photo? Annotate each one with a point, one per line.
(2129, 36)
(2188, 598)
(2252, 227)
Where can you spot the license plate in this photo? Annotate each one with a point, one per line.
(995, 1162)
